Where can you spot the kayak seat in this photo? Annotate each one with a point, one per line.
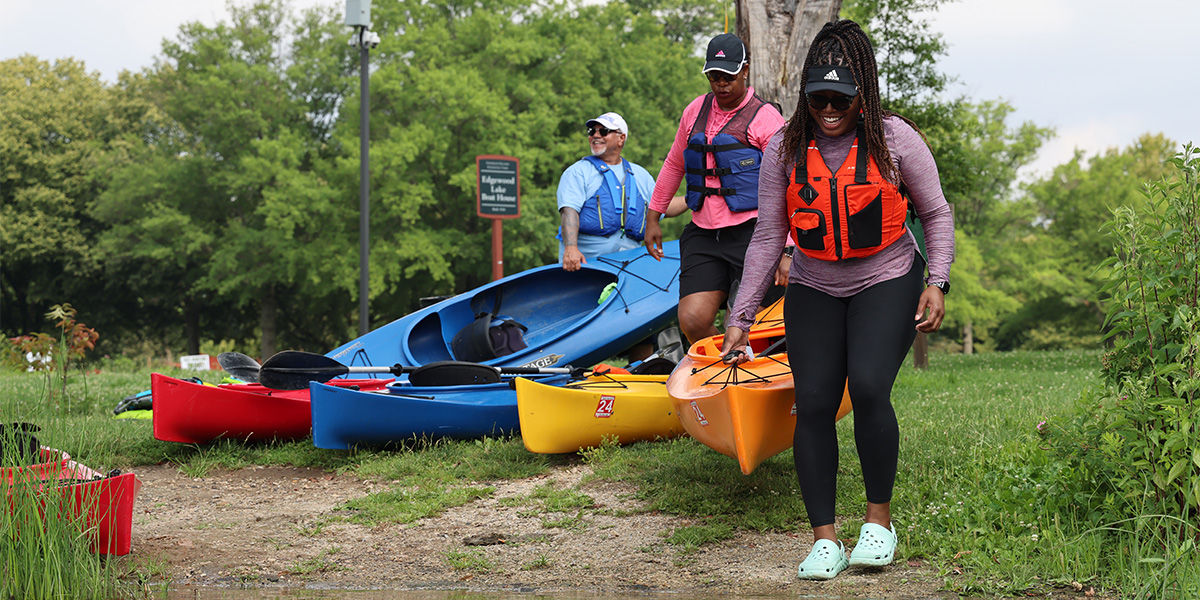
(487, 337)
(453, 372)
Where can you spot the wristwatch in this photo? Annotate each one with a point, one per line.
(942, 285)
(788, 250)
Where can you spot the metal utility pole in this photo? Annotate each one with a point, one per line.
(358, 15)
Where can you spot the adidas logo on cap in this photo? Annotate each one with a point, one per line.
(720, 54)
(832, 76)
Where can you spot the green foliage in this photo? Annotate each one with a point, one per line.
(692, 537)
(969, 435)
(1133, 454)
(1052, 255)
(689, 21)
(237, 131)
(905, 47)
(42, 552)
(438, 100)
(57, 128)
(405, 505)
(978, 155)
(554, 499)
(469, 560)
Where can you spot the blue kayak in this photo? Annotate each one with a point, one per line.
(537, 318)
(344, 417)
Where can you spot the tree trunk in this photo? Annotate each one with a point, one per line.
(266, 322)
(777, 33)
(191, 326)
(969, 337)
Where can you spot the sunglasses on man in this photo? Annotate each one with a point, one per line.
(603, 131)
(839, 102)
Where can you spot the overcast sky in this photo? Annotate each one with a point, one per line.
(1100, 72)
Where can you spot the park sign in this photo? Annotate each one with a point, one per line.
(498, 189)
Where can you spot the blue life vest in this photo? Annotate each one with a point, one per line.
(736, 160)
(600, 216)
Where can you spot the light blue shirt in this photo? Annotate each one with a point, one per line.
(581, 181)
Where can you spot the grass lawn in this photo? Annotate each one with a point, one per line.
(970, 464)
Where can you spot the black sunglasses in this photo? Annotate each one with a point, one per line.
(603, 130)
(839, 102)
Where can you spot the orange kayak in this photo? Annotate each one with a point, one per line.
(747, 411)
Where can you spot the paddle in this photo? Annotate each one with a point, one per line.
(293, 370)
(239, 365)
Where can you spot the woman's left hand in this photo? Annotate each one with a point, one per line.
(782, 271)
(933, 301)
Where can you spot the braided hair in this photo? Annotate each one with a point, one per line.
(843, 43)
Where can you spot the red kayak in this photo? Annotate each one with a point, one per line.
(106, 500)
(194, 413)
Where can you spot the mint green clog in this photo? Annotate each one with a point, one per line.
(876, 546)
(825, 561)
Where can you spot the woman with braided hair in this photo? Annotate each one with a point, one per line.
(841, 177)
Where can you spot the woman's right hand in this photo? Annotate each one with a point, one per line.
(653, 239)
(733, 350)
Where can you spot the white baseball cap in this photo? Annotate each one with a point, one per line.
(610, 120)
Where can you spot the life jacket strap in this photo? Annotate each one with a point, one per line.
(715, 172)
(864, 154)
(710, 191)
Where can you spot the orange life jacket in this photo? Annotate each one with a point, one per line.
(849, 214)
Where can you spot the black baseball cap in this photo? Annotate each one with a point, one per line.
(832, 78)
(726, 53)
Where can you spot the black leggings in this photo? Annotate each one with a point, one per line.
(864, 339)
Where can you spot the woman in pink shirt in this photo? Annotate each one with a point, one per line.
(718, 150)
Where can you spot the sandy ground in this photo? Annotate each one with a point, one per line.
(280, 527)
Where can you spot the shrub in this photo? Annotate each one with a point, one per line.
(1133, 453)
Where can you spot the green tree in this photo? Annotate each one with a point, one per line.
(688, 21)
(1060, 295)
(230, 193)
(978, 154)
(498, 77)
(56, 128)
(906, 49)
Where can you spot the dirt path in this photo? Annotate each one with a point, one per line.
(279, 527)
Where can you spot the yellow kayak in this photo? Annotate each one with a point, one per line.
(568, 418)
(746, 412)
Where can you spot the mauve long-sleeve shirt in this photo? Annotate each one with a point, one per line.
(845, 278)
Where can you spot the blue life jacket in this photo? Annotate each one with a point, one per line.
(599, 215)
(736, 160)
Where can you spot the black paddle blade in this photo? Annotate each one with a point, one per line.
(239, 365)
(292, 370)
(453, 372)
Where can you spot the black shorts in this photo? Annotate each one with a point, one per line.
(712, 258)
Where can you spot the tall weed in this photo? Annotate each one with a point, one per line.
(1132, 454)
(45, 548)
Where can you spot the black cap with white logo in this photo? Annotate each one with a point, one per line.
(726, 53)
(832, 78)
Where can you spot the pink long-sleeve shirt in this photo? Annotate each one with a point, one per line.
(715, 214)
(845, 278)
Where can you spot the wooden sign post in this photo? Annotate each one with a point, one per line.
(497, 196)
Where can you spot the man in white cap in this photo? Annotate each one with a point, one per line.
(602, 197)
